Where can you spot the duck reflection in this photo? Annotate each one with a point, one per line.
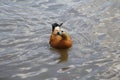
(63, 54)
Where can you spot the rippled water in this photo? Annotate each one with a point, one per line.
(25, 28)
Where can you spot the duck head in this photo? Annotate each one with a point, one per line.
(54, 25)
(57, 30)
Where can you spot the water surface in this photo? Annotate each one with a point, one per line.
(25, 28)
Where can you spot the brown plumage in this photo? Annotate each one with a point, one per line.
(60, 38)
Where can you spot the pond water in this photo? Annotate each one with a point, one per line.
(25, 28)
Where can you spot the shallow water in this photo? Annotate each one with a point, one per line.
(25, 28)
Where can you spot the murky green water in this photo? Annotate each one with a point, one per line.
(25, 28)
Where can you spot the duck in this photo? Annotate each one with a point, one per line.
(60, 38)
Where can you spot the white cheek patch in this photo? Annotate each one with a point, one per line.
(57, 28)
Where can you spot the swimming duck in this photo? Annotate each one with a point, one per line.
(59, 38)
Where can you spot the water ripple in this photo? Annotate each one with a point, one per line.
(25, 28)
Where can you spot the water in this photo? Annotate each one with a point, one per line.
(25, 28)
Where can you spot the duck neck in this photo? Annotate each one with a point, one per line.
(65, 36)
